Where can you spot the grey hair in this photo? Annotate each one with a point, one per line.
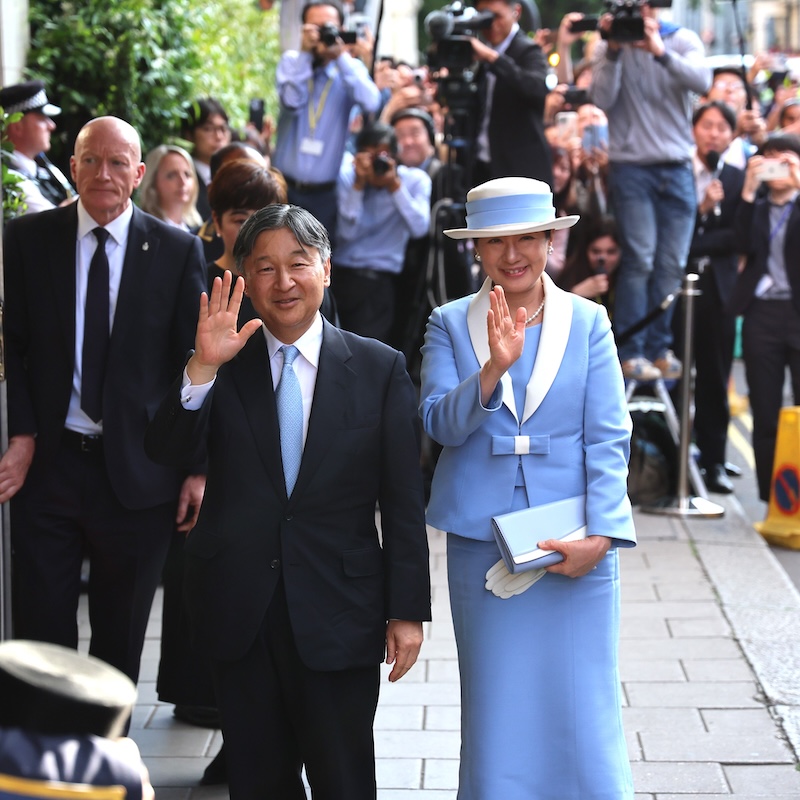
(305, 227)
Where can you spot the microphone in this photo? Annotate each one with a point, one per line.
(715, 164)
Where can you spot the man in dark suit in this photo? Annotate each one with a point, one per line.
(767, 291)
(713, 256)
(510, 137)
(101, 304)
(289, 587)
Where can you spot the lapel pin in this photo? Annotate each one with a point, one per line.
(145, 246)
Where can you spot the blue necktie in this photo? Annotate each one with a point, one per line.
(290, 417)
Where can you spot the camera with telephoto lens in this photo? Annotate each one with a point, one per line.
(381, 165)
(627, 23)
(328, 34)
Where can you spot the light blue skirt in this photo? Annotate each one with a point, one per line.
(540, 690)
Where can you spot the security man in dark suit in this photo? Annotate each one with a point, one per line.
(101, 304)
(289, 586)
(714, 257)
(510, 137)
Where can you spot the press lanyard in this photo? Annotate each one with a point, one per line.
(315, 113)
(779, 224)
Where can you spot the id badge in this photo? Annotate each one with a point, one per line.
(311, 147)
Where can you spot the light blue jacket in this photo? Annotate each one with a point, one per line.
(572, 437)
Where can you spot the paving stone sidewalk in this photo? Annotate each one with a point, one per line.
(710, 663)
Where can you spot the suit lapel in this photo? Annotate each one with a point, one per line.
(330, 402)
(555, 335)
(552, 345)
(60, 261)
(140, 253)
(253, 379)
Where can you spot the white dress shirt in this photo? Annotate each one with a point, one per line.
(116, 245)
(305, 367)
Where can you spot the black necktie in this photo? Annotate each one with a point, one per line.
(95, 330)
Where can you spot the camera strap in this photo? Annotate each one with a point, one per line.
(314, 114)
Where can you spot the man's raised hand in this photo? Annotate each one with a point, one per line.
(217, 339)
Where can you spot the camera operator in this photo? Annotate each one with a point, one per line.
(318, 86)
(382, 205)
(511, 80)
(645, 87)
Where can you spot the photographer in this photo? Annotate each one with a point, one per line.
(318, 86)
(382, 205)
(511, 81)
(645, 87)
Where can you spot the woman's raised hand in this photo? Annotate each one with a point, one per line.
(506, 333)
(506, 340)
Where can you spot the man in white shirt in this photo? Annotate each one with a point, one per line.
(43, 185)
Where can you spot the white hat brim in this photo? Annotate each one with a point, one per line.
(513, 229)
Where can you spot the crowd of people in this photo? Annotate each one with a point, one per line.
(252, 491)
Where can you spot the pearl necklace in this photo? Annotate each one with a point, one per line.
(535, 314)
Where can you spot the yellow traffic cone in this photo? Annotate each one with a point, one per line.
(782, 525)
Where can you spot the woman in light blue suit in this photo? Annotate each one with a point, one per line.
(522, 385)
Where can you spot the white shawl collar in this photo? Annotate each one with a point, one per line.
(552, 345)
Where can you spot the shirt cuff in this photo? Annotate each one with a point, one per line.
(193, 395)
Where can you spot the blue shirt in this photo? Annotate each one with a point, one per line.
(315, 107)
(375, 225)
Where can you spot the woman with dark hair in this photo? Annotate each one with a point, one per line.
(591, 270)
(565, 202)
(238, 190)
(521, 385)
(206, 127)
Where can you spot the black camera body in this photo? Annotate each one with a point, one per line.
(450, 29)
(627, 24)
(328, 34)
(381, 165)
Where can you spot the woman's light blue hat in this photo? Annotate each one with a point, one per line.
(510, 207)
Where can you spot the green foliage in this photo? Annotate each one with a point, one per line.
(13, 199)
(129, 58)
(143, 60)
(238, 49)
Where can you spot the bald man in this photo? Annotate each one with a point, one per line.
(101, 305)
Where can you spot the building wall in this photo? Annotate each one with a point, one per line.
(13, 40)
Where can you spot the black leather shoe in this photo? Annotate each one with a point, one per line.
(216, 773)
(717, 480)
(202, 716)
(732, 470)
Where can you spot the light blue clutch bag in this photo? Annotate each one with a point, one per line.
(518, 533)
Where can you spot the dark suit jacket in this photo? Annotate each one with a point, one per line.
(154, 322)
(752, 238)
(516, 129)
(342, 583)
(715, 238)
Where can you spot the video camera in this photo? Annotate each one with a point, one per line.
(627, 24)
(450, 29)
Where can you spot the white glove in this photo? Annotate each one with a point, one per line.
(500, 582)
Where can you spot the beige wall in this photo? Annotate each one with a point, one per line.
(13, 39)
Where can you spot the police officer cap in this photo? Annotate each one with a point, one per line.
(417, 113)
(24, 97)
(54, 690)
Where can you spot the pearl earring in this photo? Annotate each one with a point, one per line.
(549, 249)
(477, 256)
